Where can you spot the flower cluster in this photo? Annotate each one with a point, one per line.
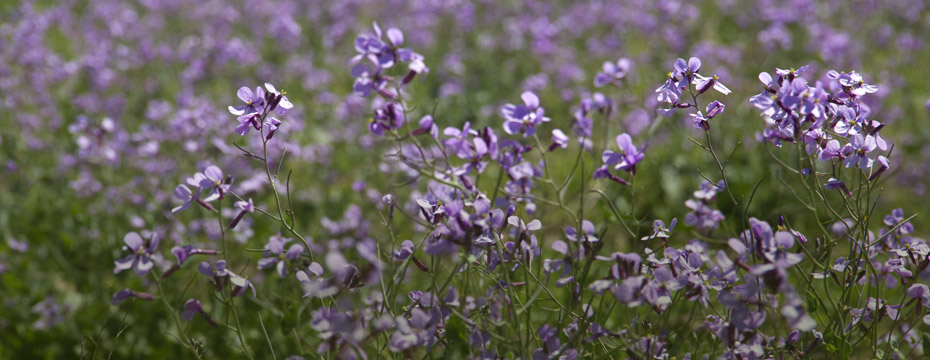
(820, 116)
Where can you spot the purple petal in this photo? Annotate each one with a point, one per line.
(245, 94)
(133, 241)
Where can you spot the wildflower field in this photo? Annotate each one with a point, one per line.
(464, 179)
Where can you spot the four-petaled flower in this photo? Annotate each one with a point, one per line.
(141, 251)
(276, 256)
(253, 101)
(523, 119)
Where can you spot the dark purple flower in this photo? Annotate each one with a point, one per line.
(245, 207)
(126, 294)
(182, 253)
(192, 307)
(834, 183)
(388, 117)
(603, 172)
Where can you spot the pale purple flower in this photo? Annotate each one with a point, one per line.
(220, 271)
(920, 292)
(524, 118)
(276, 255)
(271, 124)
(559, 140)
(253, 101)
(628, 156)
(212, 180)
(141, 251)
(19, 246)
(706, 83)
(612, 72)
(660, 231)
(184, 193)
(857, 151)
(278, 100)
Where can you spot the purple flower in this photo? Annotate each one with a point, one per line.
(706, 83)
(141, 253)
(272, 124)
(670, 91)
(383, 55)
(587, 235)
(883, 163)
(857, 151)
(316, 286)
(184, 193)
(417, 331)
(524, 118)
(603, 172)
(613, 72)
(389, 117)
(19, 246)
(193, 307)
(459, 141)
(126, 294)
(366, 81)
(211, 179)
(702, 215)
(278, 100)
(182, 253)
(660, 231)
(276, 256)
(628, 156)
(219, 272)
(852, 82)
(834, 183)
(559, 140)
(921, 292)
(247, 122)
(244, 207)
(406, 249)
(253, 101)
(427, 126)
(701, 121)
